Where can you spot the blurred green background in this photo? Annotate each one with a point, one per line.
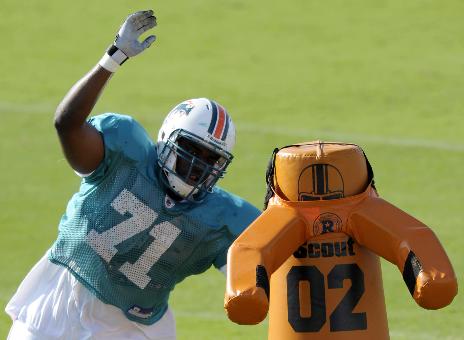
(387, 75)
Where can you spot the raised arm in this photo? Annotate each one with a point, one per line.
(82, 144)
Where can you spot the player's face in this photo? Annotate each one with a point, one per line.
(195, 160)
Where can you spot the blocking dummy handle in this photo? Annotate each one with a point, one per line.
(262, 248)
(411, 246)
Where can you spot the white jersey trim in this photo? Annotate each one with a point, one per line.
(83, 175)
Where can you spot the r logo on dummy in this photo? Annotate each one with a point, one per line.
(327, 223)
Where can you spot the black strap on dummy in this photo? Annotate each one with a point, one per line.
(270, 178)
(270, 188)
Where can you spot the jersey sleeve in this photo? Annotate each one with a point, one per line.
(123, 138)
(238, 214)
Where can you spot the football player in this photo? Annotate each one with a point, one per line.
(146, 216)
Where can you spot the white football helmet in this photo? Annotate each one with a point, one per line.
(195, 145)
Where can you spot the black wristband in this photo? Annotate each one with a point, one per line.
(117, 55)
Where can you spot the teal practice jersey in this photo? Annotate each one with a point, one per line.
(127, 241)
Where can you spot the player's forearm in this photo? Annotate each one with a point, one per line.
(81, 142)
(78, 103)
(80, 100)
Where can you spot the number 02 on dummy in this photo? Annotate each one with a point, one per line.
(320, 237)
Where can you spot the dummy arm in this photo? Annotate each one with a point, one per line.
(411, 246)
(254, 256)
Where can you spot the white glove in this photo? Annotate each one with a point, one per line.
(126, 43)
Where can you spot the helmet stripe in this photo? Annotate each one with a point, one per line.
(213, 118)
(326, 175)
(220, 124)
(226, 129)
(320, 179)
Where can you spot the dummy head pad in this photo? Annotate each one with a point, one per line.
(320, 171)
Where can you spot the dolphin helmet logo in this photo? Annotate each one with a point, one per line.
(183, 108)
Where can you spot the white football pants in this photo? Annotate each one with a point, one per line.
(50, 304)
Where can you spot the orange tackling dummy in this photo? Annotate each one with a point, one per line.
(311, 258)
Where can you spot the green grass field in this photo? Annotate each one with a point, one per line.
(388, 75)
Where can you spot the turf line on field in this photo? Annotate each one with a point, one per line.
(309, 134)
(203, 315)
(421, 335)
(304, 134)
(6, 107)
(199, 315)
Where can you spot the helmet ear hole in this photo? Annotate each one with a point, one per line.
(194, 146)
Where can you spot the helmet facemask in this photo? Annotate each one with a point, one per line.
(191, 165)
